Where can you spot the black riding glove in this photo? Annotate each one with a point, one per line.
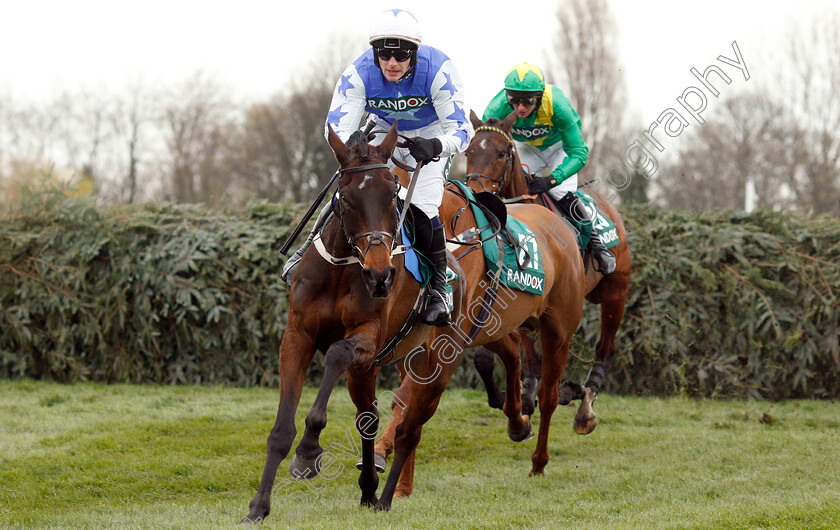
(425, 149)
(539, 185)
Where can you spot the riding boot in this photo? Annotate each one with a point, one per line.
(572, 207)
(291, 264)
(437, 308)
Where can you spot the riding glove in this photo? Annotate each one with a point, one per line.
(539, 185)
(425, 149)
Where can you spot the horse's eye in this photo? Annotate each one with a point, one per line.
(501, 154)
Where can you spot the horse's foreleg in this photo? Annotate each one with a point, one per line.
(295, 355)
(483, 359)
(423, 401)
(304, 464)
(385, 445)
(362, 388)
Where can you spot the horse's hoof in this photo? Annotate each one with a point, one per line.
(379, 463)
(303, 468)
(585, 420)
(585, 425)
(380, 507)
(251, 519)
(370, 503)
(526, 434)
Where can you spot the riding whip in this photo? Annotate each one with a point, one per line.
(409, 193)
(305, 219)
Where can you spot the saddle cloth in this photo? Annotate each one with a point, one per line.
(522, 262)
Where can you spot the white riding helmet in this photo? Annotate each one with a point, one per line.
(396, 24)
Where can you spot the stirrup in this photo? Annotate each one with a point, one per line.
(444, 318)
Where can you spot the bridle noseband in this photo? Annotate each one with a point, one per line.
(508, 160)
(374, 235)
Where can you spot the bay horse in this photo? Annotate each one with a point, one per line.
(493, 165)
(350, 312)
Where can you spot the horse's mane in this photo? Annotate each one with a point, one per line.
(363, 150)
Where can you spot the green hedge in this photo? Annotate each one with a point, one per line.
(162, 293)
(727, 303)
(719, 304)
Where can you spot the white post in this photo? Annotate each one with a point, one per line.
(749, 196)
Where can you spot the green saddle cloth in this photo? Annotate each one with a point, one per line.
(522, 266)
(601, 224)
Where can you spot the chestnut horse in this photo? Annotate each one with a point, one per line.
(493, 165)
(350, 312)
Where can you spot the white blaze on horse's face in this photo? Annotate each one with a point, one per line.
(365, 180)
(483, 143)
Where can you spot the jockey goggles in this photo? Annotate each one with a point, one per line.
(399, 54)
(528, 101)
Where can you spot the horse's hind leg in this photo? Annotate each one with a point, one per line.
(338, 358)
(295, 356)
(555, 355)
(484, 362)
(533, 373)
(612, 311)
(519, 427)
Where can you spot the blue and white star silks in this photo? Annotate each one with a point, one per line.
(429, 102)
(344, 84)
(334, 116)
(461, 118)
(448, 85)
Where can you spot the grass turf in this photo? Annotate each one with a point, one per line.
(134, 456)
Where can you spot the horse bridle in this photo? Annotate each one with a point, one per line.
(374, 235)
(509, 156)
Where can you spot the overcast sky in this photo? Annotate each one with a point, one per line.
(256, 46)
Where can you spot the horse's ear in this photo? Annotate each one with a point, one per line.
(386, 148)
(342, 152)
(474, 119)
(508, 123)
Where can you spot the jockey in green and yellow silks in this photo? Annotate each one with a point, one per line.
(548, 137)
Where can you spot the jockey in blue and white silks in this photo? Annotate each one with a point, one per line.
(428, 102)
(417, 86)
